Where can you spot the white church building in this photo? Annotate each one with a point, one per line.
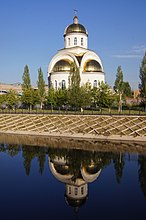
(75, 51)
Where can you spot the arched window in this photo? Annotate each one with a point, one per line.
(56, 84)
(81, 41)
(63, 84)
(95, 83)
(68, 41)
(76, 191)
(75, 41)
(69, 190)
(82, 190)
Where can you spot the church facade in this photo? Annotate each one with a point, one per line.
(75, 51)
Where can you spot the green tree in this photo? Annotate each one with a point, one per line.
(27, 91)
(86, 95)
(2, 100)
(12, 98)
(51, 97)
(74, 78)
(127, 89)
(61, 97)
(41, 87)
(118, 87)
(28, 97)
(74, 91)
(103, 96)
(26, 79)
(142, 76)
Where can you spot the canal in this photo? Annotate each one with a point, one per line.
(42, 183)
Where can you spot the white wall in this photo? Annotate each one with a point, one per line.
(59, 76)
(90, 77)
(78, 36)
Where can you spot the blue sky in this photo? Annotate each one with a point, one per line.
(31, 32)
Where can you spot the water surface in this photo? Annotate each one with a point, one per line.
(40, 183)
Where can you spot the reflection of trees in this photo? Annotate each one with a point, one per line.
(76, 158)
(41, 159)
(13, 150)
(142, 173)
(29, 153)
(2, 148)
(119, 166)
(9, 149)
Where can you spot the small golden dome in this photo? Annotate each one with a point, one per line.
(92, 66)
(62, 66)
(75, 28)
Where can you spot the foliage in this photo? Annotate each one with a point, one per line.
(103, 96)
(74, 91)
(27, 94)
(127, 89)
(61, 97)
(74, 78)
(30, 97)
(26, 79)
(2, 100)
(9, 100)
(12, 98)
(51, 97)
(41, 87)
(86, 95)
(142, 76)
(118, 87)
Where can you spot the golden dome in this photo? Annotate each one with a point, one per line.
(75, 202)
(92, 66)
(62, 169)
(62, 66)
(75, 28)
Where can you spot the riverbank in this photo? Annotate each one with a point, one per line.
(73, 142)
(126, 129)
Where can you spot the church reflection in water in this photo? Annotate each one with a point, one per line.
(75, 174)
(78, 168)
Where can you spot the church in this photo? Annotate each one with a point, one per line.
(75, 51)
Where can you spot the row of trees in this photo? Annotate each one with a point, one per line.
(75, 96)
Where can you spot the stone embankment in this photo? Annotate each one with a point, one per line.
(97, 127)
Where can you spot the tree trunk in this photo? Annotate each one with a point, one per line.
(120, 103)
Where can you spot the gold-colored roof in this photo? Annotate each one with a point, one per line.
(62, 66)
(75, 28)
(92, 66)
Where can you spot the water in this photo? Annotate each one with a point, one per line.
(38, 183)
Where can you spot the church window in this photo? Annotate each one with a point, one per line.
(69, 190)
(75, 41)
(82, 190)
(76, 191)
(95, 83)
(56, 84)
(68, 41)
(81, 41)
(63, 84)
